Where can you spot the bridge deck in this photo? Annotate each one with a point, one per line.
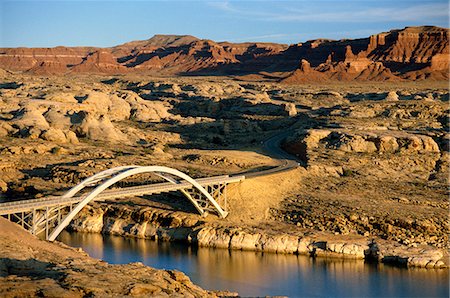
(27, 205)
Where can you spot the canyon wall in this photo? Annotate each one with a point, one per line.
(412, 53)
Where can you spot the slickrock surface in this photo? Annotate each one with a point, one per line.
(30, 267)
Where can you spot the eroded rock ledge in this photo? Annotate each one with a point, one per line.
(149, 223)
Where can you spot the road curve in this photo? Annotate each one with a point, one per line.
(272, 147)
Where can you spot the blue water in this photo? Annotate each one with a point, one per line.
(258, 274)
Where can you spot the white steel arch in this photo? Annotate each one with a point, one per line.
(96, 178)
(119, 173)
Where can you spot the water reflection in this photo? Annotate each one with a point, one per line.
(257, 274)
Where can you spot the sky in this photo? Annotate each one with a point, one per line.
(34, 23)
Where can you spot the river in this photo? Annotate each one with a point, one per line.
(258, 274)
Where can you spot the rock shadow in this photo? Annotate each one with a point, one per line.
(31, 268)
(173, 201)
(10, 85)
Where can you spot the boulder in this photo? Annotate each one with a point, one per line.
(95, 102)
(355, 143)
(303, 144)
(119, 109)
(387, 144)
(418, 143)
(64, 97)
(150, 112)
(5, 129)
(57, 119)
(314, 136)
(30, 118)
(257, 98)
(290, 109)
(392, 96)
(98, 129)
(54, 135)
(71, 137)
(3, 186)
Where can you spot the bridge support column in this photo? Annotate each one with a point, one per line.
(33, 222)
(217, 191)
(40, 220)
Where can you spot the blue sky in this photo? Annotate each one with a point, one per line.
(35, 23)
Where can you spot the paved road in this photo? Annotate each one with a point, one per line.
(272, 147)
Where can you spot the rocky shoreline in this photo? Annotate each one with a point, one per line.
(161, 225)
(30, 267)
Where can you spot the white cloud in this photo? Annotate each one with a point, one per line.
(417, 13)
(413, 13)
(222, 5)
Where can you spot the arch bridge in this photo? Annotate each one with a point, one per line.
(52, 214)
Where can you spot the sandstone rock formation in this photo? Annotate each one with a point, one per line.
(101, 61)
(384, 55)
(97, 129)
(305, 73)
(412, 53)
(392, 96)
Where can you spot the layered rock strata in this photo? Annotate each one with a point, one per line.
(153, 224)
(412, 53)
